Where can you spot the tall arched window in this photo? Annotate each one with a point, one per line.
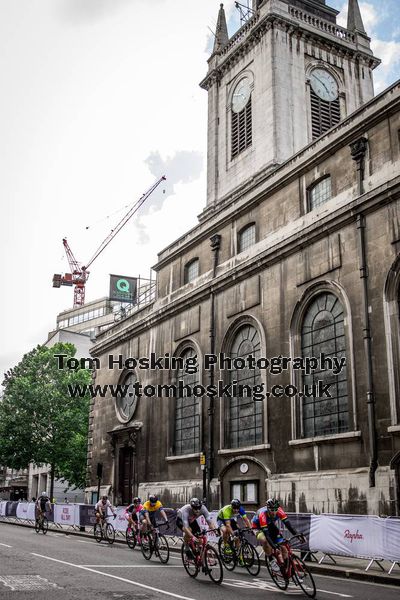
(241, 117)
(244, 415)
(325, 103)
(246, 237)
(323, 333)
(187, 413)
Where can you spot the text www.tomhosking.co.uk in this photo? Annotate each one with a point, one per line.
(308, 366)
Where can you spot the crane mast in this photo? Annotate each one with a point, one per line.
(79, 275)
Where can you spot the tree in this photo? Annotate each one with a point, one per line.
(39, 421)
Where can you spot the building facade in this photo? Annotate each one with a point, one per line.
(296, 254)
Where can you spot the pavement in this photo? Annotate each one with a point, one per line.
(71, 566)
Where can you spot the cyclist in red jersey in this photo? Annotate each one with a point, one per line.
(266, 520)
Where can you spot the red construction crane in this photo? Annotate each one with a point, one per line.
(80, 274)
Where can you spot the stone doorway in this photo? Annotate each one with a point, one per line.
(126, 474)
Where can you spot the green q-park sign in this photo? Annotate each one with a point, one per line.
(123, 289)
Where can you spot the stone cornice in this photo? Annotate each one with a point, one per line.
(330, 223)
(272, 178)
(337, 39)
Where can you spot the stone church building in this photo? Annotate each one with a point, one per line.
(296, 254)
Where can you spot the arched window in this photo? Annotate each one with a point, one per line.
(247, 237)
(187, 413)
(320, 193)
(192, 270)
(241, 117)
(325, 103)
(323, 333)
(244, 415)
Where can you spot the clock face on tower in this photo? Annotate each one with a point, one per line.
(126, 403)
(241, 95)
(324, 85)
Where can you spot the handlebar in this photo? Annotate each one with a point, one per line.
(294, 538)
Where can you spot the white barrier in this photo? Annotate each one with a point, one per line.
(356, 536)
(66, 514)
(26, 510)
(3, 509)
(120, 522)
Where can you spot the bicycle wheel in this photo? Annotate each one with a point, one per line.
(302, 576)
(213, 565)
(162, 548)
(250, 558)
(98, 532)
(130, 536)
(45, 525)
(227, 554)
(276, 575)
(189, 563)
(37, 526)
(146, 546)
(110, 533)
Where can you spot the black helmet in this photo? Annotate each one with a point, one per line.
(153, 499)
(272, 504)
(137, 500)
(196, 504)
(235, 503)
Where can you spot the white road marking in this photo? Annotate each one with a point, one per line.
(335, 593)
(265, 585)
(6, 545)
(141, 585)
(133, 566)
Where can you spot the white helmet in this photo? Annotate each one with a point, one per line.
(44, 494)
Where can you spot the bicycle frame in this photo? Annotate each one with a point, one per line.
(295, 569)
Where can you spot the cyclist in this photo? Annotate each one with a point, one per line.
(227, 519)
(186, 521)
(148, 513)
(101, 509)
(42, 505)
(266, 520)
(132, 512)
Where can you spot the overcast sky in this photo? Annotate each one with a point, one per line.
(99, 98)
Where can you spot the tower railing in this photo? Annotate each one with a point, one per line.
(322, 25)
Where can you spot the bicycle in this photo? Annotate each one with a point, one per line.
(204, 557)
(104, 531)
(132, 536)
(42, 524)
(296, 569)
(152, 542)
(244, 554)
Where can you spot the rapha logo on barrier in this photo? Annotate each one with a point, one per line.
(66, 516)
(353, 536)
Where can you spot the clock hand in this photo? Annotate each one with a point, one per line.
(320, 80)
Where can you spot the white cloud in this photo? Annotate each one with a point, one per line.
(387, 51)
(369, 15)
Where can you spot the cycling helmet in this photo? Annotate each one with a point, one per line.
(153, 499)
(104, 498)
(235, 503)
(44, 494)
(196, 504)
(137, 500)
(272, 504)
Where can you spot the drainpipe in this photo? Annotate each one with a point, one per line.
(215, 246)
(358, 151)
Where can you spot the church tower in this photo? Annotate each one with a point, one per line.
(287, 76)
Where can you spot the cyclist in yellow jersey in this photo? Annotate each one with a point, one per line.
(148, 513)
